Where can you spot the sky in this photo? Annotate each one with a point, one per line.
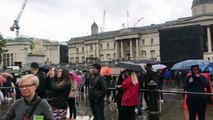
(61, 20)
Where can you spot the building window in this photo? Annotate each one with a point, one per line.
(114, 56)
(102, 57)
(152, 52)
(152, 41)
(83, 59)
(143, 54)
(101, 46)
(142, 42)
(82, 49)
(77, 59)
(76, 49)
(114, 45)
(71, 60)
(107, 45)
(90, 47)
(108, 57)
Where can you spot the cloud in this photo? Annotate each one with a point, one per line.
(63, 19)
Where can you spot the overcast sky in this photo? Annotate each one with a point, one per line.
(64, 19)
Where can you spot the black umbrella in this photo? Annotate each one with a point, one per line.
(129, 65)
(44, 67)
(150, 61)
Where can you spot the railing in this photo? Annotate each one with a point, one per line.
(153, 97)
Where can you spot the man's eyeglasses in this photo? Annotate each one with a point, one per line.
(26, 86)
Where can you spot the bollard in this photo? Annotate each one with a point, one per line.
(153, 101)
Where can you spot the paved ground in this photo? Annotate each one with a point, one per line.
(170, 109)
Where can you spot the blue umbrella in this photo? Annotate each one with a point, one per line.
(186, 65)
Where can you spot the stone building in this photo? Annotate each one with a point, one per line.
(139, 42)
(23, 51)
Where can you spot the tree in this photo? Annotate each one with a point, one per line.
(2, 46)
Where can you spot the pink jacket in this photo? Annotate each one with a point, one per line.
(130, 94)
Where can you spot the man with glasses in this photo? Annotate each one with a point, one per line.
(30, 106)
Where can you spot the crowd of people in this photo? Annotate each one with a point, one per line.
(49, 94)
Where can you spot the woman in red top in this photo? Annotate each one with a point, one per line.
(130, 96)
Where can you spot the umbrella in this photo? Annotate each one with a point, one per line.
(186, 65)
(76, 77)
(158, 66)
(129, 65)
(106, 70)
(2, 79)
(44, 67)
(150, 61)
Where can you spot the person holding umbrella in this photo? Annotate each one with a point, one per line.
(196, 103)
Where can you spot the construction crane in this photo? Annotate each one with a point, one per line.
(15, 24)
(137, 22)
(126, 25)
(103, 25)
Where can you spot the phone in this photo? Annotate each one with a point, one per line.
(53, 68)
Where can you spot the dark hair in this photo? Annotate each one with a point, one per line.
(65, 74)
(193, 66)
(148, 65)
(97, 66)
(34, 65)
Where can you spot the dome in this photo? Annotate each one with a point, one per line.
(198, 2)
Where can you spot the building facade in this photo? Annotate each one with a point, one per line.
(139, 42)
(23, 51)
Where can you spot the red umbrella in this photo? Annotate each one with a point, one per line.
(106, 70)
(76, 77)
(2, 79)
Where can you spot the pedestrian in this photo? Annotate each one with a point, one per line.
(140, 93)
(149, 75)
(178, 79)
(130, 96)
(72, 98)
(121, 78)
(41, 90)
(196, 103)
(60, 88)
(168, 75)
(97, 92)
(30, 106)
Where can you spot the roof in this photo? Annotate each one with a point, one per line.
(199, 2)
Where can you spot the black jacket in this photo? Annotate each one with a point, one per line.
(60, 94)
(198, 85)
(42, 84)
(98, 88)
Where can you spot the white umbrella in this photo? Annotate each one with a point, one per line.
(158, 66)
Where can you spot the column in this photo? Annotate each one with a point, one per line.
(97, 50)
(85, 51)
(74, 54)
(116, 50)
(122, 50)
(209, 39)
(137, 48)
(131, 53)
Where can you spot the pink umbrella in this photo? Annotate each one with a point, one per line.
(76, 77)
(2, 79)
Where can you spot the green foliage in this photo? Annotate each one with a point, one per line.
(2, 46)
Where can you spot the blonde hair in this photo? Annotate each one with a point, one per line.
(134, 78)
(31, 77)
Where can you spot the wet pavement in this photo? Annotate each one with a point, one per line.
(170, 109)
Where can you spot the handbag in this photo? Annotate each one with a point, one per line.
(72, 94)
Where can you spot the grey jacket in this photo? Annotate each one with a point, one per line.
(19, 108)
